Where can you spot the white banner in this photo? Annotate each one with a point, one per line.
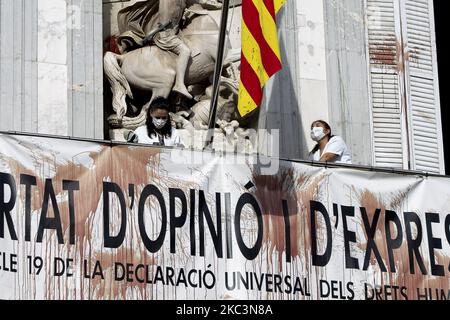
(83, 220)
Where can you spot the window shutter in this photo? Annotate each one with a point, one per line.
(422, 86)
(385, 81)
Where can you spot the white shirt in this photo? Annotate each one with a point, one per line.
(173, 141)
(336, 146)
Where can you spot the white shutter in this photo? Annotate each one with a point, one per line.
(385, 83)
(422, 86)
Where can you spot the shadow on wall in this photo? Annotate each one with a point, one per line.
(107, 12)
(282, 109)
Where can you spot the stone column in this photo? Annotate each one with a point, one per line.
(52, 67)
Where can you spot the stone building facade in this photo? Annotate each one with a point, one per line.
(367, 67)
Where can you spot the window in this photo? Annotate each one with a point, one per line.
(406, 127)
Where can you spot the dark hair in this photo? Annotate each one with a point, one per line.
(327, 126)
(166, 131)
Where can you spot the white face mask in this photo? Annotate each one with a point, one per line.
(317, 134)
(159, 123)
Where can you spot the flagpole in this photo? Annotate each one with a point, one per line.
(218, 73)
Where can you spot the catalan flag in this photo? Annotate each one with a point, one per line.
(260, 51)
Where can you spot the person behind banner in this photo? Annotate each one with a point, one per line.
(158, 130)
(329, 148)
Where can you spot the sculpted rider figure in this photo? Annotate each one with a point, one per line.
(170, 15)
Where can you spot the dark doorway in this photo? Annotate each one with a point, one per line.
(441, 23)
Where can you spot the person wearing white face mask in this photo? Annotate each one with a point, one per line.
(158, 130)
(329, 148)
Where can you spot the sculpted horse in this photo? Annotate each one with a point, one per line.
(152, 69)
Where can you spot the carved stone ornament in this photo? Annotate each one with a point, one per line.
(168, 49)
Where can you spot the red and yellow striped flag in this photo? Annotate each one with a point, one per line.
(260, 51)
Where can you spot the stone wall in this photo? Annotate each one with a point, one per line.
(323, 44)
(51, 79)
(347, 76)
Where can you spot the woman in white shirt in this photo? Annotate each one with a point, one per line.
(158, 130)
(329, 148)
